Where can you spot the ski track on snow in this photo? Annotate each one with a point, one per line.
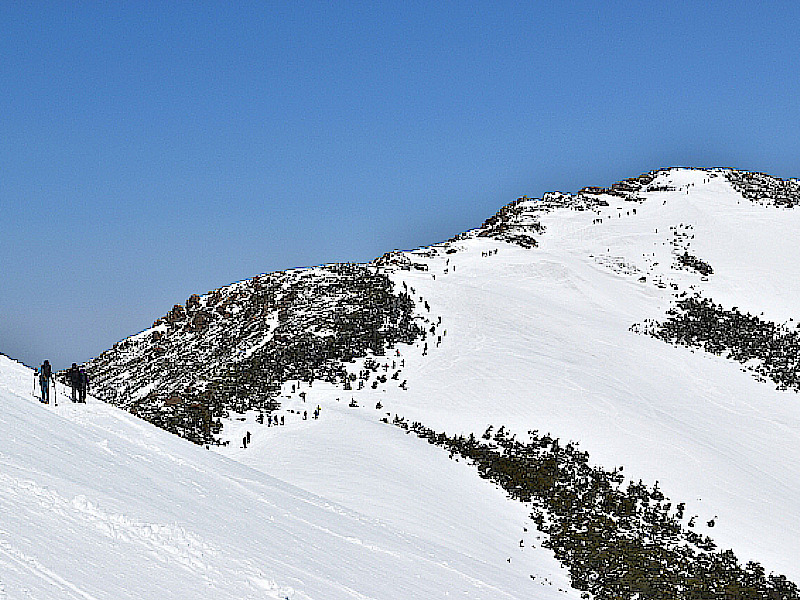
(169, 543)
(30, 564)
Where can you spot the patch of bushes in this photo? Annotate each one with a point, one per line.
(619, 542)
(700, 323)
(690, 261)
(765, 189)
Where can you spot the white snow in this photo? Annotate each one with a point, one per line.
(539, 339)
(97, 504)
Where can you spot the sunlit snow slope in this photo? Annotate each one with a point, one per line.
(539, 339)
(97, 504)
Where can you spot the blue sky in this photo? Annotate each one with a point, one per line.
(152, 150)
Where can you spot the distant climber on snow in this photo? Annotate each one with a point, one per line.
(45, 374)
(74, 377)
(84, 385)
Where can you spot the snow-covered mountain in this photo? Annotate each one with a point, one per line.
(652, 322)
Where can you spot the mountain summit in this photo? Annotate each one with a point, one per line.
(605, 384)
(232, 349)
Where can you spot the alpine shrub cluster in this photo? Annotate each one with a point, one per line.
(700, 323)
(619, 542)
(629, 189)
(765, 189)
(689, 261)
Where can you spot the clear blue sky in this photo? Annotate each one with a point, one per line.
(152, 150)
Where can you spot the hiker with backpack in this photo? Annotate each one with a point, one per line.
(84, 385)
(74, 377)
(45, 375)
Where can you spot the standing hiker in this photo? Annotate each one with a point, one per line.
(84, 385)
(45, 374)
(74, 377)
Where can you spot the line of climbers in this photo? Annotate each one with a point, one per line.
(76, 377)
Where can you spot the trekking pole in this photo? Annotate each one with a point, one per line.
(55, 392)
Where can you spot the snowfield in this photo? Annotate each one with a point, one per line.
(95, 503)
(539, 339)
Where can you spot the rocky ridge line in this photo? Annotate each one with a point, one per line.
(765, 189)
(518, 222)
(232, 349)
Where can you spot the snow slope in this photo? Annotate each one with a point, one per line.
(96, 504)
(347, 506)
(539, 339)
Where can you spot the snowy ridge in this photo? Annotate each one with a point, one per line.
(765, 189)
(518, 222)
(540, 339)
(527, 323)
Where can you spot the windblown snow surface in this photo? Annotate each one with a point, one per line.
(97, 504)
